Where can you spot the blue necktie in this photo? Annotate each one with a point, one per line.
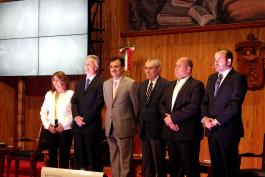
(217, 84)
(87, 83)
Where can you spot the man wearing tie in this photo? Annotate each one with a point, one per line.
(87, 103)
(150, 120)
(122, 104)
(180, 108)
(221, 115)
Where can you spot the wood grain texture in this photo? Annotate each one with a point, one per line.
(8, 111)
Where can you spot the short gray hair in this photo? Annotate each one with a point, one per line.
(154, 61)
(95, 60)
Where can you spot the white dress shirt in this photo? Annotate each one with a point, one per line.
(115, 85)
(64, 112)
(91, 78)
(224, 73)
(177, 88)
(153, 81)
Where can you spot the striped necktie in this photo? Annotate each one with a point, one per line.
(148, 92)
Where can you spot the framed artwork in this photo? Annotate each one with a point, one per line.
(177, 14)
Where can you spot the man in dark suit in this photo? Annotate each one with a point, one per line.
(150, 120)
(87, 103)
(122, 104)
(180, 107)
(221, 115)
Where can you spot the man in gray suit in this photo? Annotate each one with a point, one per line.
(121, 99)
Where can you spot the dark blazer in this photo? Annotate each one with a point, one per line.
(88, 104)
(226, 106)
(151, 111)
(186, 110)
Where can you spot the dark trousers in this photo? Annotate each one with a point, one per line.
(154, 152)
(184, 158)
(63, 142)
(87, 151)
(224, 157)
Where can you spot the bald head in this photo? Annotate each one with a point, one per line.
(183, 67)
(186, 61)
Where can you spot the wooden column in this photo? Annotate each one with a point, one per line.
(20, 108)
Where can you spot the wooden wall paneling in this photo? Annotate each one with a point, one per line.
(8, 109)
(21, 109)
(115, 15)
(36, 88)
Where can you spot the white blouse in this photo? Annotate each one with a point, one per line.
(64, 111)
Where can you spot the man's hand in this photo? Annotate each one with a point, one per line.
(59, 128)
(79, 121)
(170, 124)
(51, 128)
(209, 122)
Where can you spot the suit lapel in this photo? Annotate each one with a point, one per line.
(145, 89)
(83, 86)
(182, 90)
(226, 79)
(121, 85)
(109, 92)
(171, 90)
(158, 84)
(93, 82)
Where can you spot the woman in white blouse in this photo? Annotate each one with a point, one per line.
(56, 117)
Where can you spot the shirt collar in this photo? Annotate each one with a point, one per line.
(183, 80)
(153, 81)
(224, 73)
(91, 77)
(118, 80)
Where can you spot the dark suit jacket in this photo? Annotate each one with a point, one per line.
(186, 110)
(154, 121)
(226, 105)
(88, 104)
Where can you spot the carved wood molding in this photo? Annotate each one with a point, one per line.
(250, 57)
(217, 27)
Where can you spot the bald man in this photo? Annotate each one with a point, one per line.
(182, 129)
